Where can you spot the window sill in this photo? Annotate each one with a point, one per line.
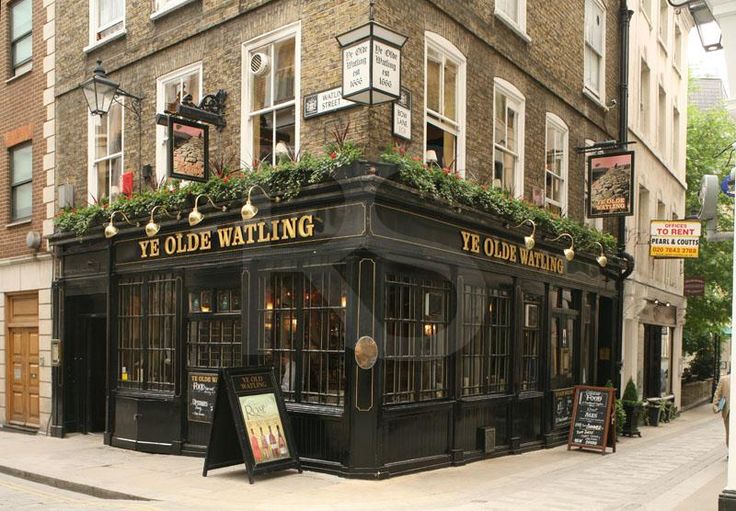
(102, 42)
(645, 15)
(662, 44)
(513, 26)
(19, 75)
(171, 8)
(17, 223)
(595, 99)
(677, 70)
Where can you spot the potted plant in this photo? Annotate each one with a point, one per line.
(632, 406)
(654, 408)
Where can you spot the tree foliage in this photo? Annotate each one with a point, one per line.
(709, 132)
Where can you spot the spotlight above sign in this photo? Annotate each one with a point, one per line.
(371, 64)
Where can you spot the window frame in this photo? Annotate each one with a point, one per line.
(27, 64)
(246, 114)
(162, 132)
(93, 191)
(513, 95)
(645, 109)
(600, 94)
(448, 50)
(663, 26)
(556, 122)
(95, 30)
(677, 53)
(163, 7)
(518, 26)
(15, 185)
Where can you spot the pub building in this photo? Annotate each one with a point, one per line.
(405, 332)
(479, 340)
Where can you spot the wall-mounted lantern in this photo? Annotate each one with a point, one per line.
(371, 64)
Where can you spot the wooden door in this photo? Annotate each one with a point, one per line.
(22, 361)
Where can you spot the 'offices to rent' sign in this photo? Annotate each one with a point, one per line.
(674, 238)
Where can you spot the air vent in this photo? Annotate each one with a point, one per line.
(259, 64)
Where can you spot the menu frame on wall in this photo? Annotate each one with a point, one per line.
(246, 397)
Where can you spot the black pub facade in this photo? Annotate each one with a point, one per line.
(405, 334)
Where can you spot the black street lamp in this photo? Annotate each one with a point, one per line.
(100, 91)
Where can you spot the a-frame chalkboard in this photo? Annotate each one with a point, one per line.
(250, 424)
(592, 425)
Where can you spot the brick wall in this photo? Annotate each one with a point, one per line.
(22, 117)
(548, 70)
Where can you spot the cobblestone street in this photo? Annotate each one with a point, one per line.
(680, 465)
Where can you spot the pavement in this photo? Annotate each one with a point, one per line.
(679, 465)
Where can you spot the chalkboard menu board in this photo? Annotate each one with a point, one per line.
(202, 391)
(250, 424)
(563, 404)
(592, 418)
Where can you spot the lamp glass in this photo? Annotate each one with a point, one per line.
(110, 230)
(99, 93)
(569, 254)
(152, 229)
(248, 210)
(529, 242)
(602, 261)
(195, 217)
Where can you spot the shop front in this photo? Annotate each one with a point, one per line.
(478, 340)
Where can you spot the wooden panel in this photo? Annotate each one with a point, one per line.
(23, 309)
(416, 436)
(23, 377)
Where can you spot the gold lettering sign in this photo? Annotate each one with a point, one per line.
(282, 229)
(494, 248)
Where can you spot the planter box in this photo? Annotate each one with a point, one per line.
(631, 426)
(653, 412)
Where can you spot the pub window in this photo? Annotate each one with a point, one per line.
(171, 89)
(508, 138)
(416, 319)
(147, 332)
(104, 177)
(555, 165)
(563, 332)
(21, 182)
(486, 351)
(107, 19)
(21, 40)
(444, 113)
(530, 344)
(302, 331)
(214, 336)
(271, 66)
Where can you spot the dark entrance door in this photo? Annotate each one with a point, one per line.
(606, 335)
(652, 360)
(85, 372)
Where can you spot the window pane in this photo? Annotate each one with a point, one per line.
(22, 164)
(22, 50)
(285, 129)
(109, 11)
(443, 143)
(21, 18)
(510, 8)
(261, 83)
(263, 137)
(450, 90)
(433, 85)
(115, 120)
(500, 119)
(592, 69)
(176, 89)
(511, 129)
(116, 171)
(22, 201)
(100, 136)
(284, 70)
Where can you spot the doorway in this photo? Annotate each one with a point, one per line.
(652, 360)
(22, 361)
(85, 368)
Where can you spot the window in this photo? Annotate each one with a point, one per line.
(595, 43)
(594, 223)
(416, 321)
(104, 178)
(147, 330)
(213, 328)
(555, 165)
(162, 6)
(513, 12)
(21, 184)
(302, 332)
(675, 139)
(530, 350)
(444, 97)
(508, 138)
(660, 264)
(272, 88)
(563, 333)
(171, 89)
(664, 22)
(665, 371)
(662, 121)
(107, 18)
(21, 45)
(677, 56)
(644, 98)
(646, 8)
(643, 232)
(486, 352)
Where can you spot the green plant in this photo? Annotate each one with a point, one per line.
(620, 417)
(631, 393)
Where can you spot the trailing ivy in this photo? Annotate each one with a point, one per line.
(434, 181)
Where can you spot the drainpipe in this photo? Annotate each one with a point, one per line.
(623, 137)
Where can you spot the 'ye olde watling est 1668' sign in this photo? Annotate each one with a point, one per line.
(371, 64)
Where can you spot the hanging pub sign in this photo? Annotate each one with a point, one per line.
(371, 64)
(188, 148)
(611, 185)
(325, 102)
(402, 116)
(675, 239)
(592, 419)
(694, 286)
(250, 424)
